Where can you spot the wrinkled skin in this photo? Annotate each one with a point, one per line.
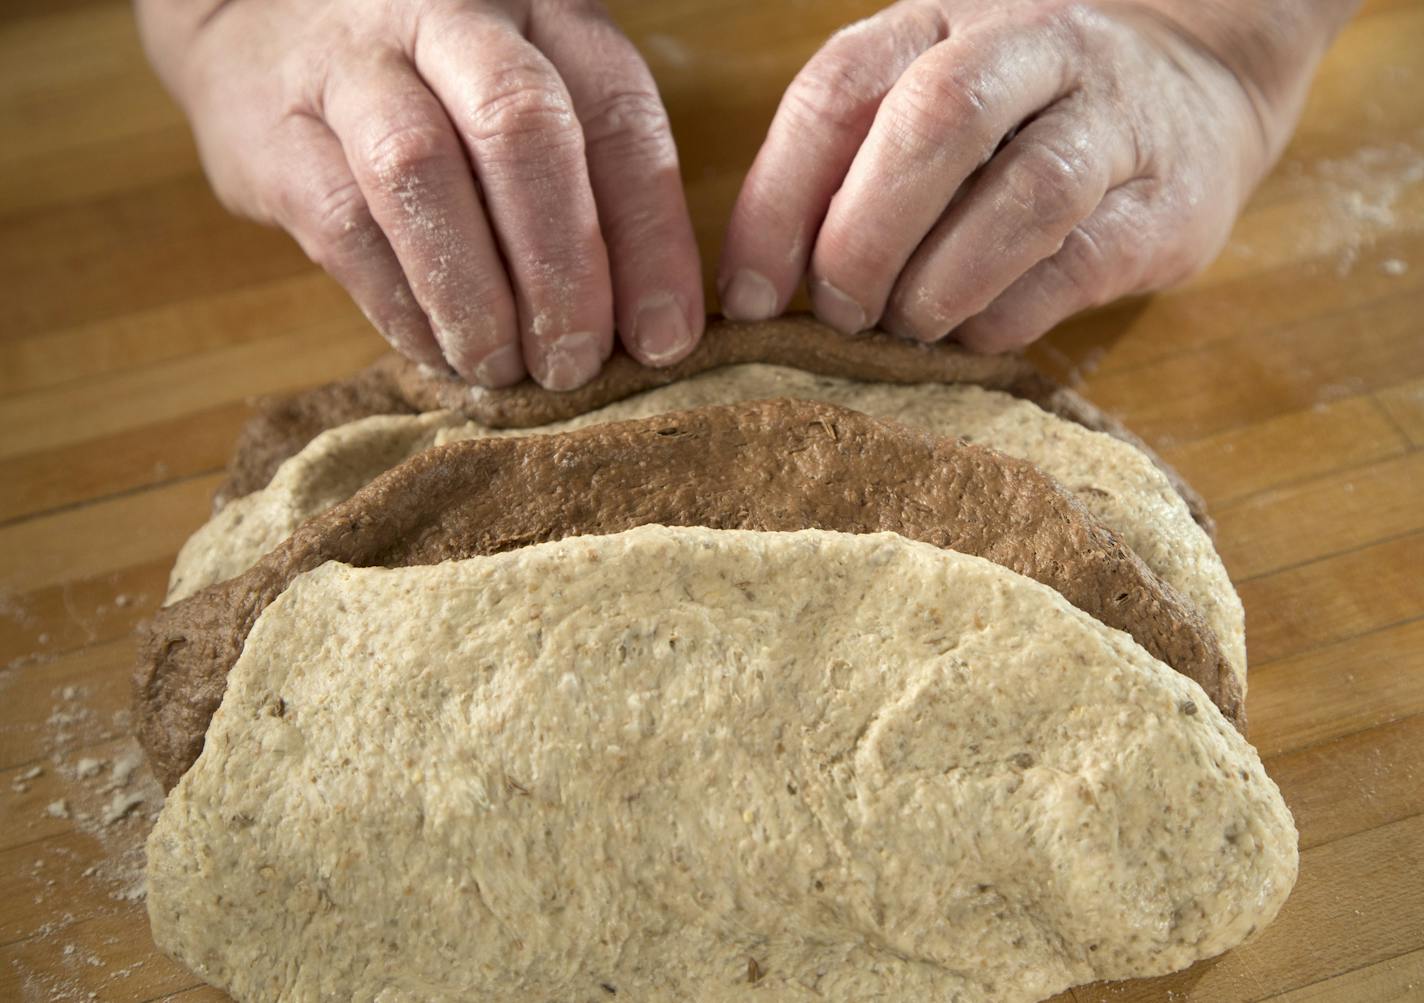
(492, 182)
(495, 181)
(988, 167)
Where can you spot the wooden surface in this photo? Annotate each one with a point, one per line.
(1287, 384)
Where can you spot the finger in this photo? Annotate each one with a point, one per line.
(1019, 211)
(821, 122)
(415, 178)
(517, 123)
(632, 166)
(1101, 259)
(315, 198)
(942, 120)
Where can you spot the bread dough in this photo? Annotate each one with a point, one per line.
(779, 465)
(671, 762)
(1115, 482)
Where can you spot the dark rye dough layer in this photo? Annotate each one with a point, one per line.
(776, 465)
(394, 385)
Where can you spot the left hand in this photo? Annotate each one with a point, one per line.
(988, 167)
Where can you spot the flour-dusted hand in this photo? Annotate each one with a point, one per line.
(493, 182)
(988, 167)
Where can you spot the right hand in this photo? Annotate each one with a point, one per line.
(493, 182)
(982, 169)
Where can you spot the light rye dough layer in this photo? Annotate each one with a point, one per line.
(1118, 484)
(669, 762)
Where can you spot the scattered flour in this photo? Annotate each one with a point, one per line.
(1348, 203)
(120, 805)
(123, 769)
(87, 767)
(68, 722)
(11, 608)
(1362, 194)
(109, 796)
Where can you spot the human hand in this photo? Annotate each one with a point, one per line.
(988, 167)
(492, 182)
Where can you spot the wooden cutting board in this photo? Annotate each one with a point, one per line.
(1287, 383)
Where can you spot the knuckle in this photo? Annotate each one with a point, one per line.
(630, 122)
(405, 151)
(931, 105)
(1086, 263)
(836, 87)
(337, 220)
(1052, 184)
(522, 112)
(1187, 239)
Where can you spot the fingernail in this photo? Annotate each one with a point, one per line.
(500, 368)
(660, 330)
(749, 296)
(836, 308)
(571, 361)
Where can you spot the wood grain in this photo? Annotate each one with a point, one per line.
(1287, 382)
